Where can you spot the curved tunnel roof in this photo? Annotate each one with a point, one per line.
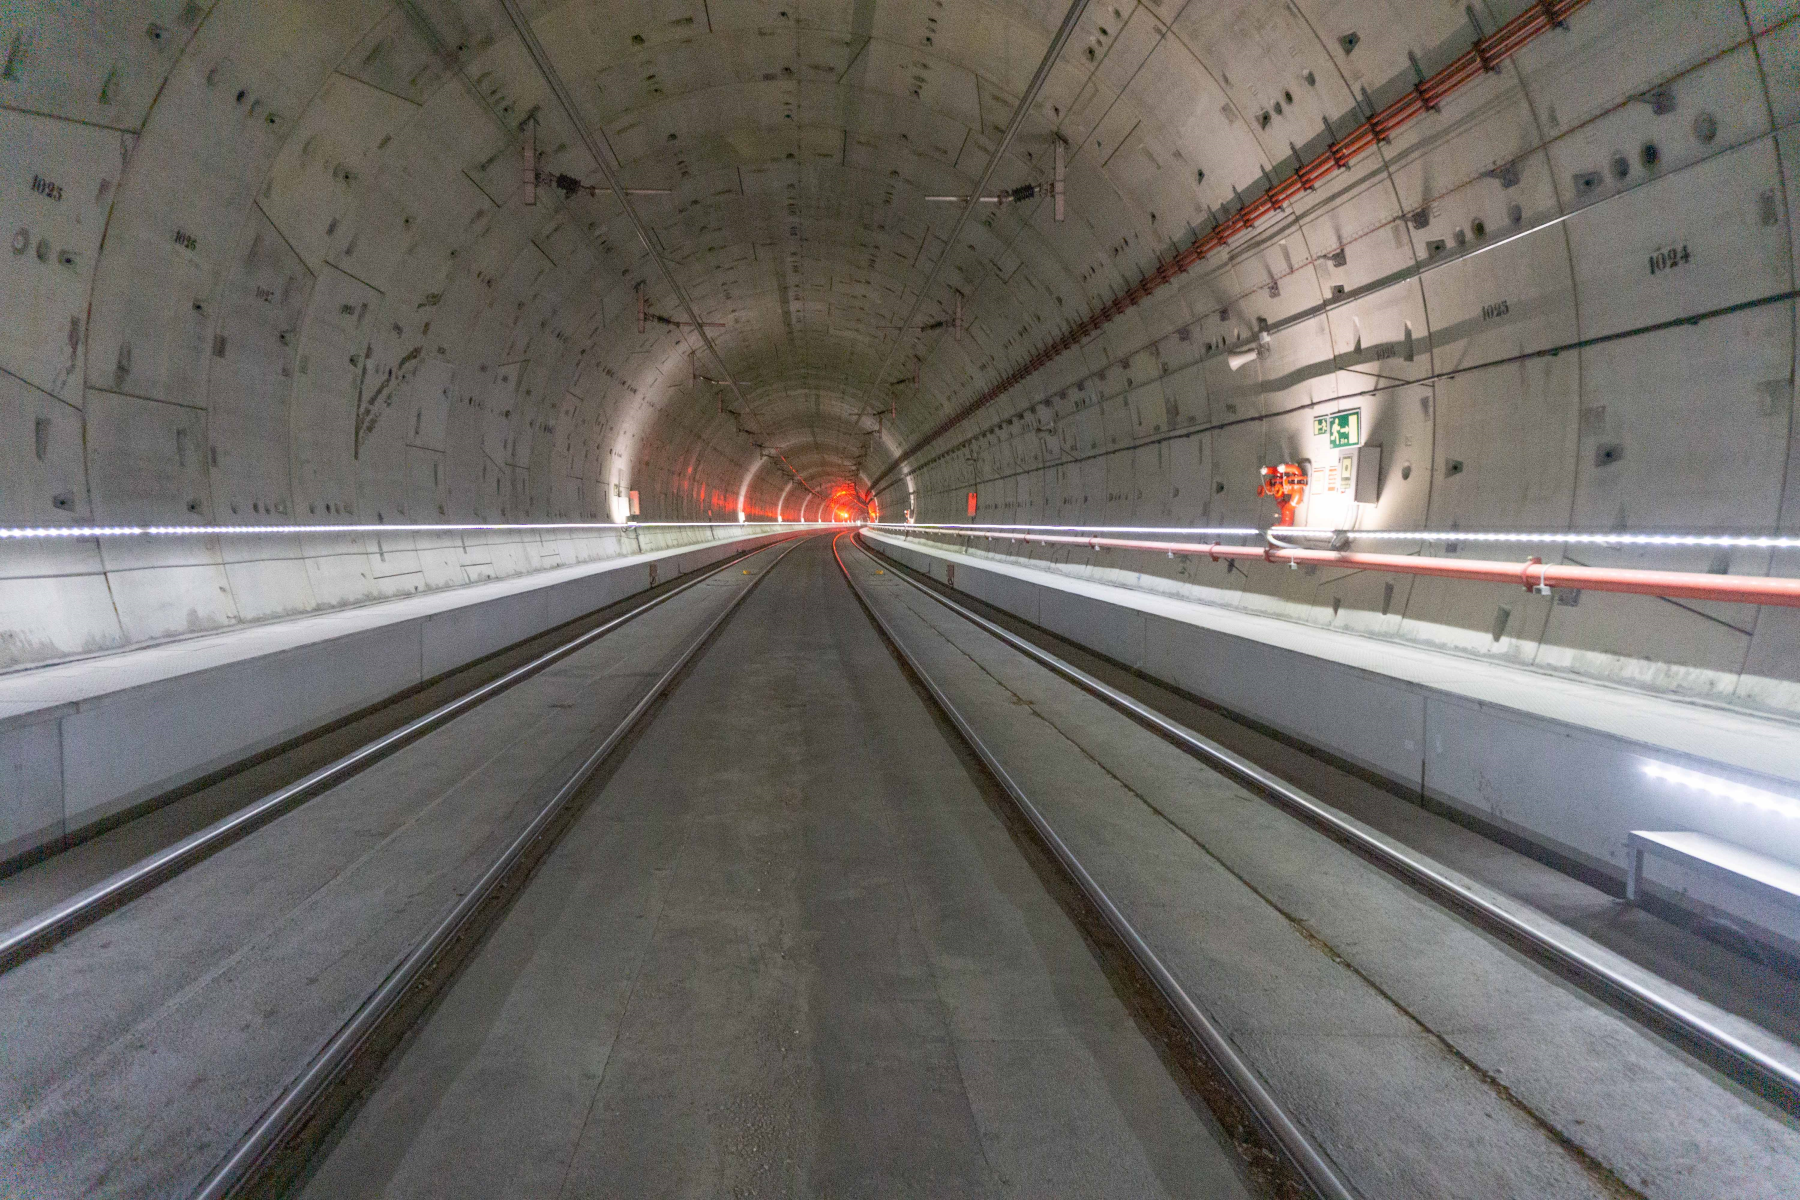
(274, 262)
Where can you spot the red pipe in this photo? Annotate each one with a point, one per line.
(1485, 55)
(1531, 574)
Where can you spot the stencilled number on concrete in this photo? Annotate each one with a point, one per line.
(1669, 258)
(186, 240)
(44, 187)
(1497, 309)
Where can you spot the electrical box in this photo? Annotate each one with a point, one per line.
(1353, 475)
(1366, 482)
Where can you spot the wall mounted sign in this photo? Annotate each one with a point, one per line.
(1343, 428)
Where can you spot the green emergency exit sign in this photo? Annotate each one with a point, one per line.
(1343, 428)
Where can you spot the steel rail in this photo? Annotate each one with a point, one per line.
(1534, 575)
(566, 101)
(38, 933)
(239, 1170)
(1778, 1081)
(1485, 55)
(1319, 1172)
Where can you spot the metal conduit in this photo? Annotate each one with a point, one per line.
(1485, 55)
(1532, 574)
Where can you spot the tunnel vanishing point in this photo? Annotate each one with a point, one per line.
(899, 597)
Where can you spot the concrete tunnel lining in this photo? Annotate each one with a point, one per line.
(274, 266)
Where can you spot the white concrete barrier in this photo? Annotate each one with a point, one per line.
(1556, 760)
(82, 742)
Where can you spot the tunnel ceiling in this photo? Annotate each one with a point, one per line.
(789, 150)
(797, 146)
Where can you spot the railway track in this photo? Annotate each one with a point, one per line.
(280, 1146)
(50, 926)
(1543, 941)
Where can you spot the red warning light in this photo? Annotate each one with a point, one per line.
(971, 504)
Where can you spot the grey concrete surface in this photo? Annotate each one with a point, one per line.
(1719, 971)
(138, 1050)
(1556, 760)
(1428, 1059)
(30, 889)
(788, 950)
(83, 740)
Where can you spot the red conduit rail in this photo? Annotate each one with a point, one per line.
(1531, 574)
(1485, 55)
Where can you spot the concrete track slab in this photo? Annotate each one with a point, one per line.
(789, 949)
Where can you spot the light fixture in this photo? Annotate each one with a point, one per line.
(1717, 540)
(1725, 789)
(1192, 532)
(122, 531)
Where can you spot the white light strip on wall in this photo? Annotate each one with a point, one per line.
(1233, 532)
(1774, 802)
(1751, 541)
(118, 531)
(1727, 540)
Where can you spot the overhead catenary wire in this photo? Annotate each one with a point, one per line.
(1058, 42)
(566, 101)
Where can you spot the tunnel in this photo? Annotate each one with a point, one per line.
(899, 597)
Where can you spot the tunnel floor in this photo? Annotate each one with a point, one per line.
(789, 948)
(793, 936)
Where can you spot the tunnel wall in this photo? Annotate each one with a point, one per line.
(270, 264)
(1629, 172)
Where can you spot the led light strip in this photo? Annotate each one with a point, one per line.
(1721, 540)
(121, 531)
(1712, 785)
(1206, 532)
(1755, 541)
(1748, 541)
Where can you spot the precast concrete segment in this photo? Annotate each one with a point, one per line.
(140, 1049)
(45, 928)
(788, 949)
(1485, 55)
(1768, 1065)
(1428, 1059)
